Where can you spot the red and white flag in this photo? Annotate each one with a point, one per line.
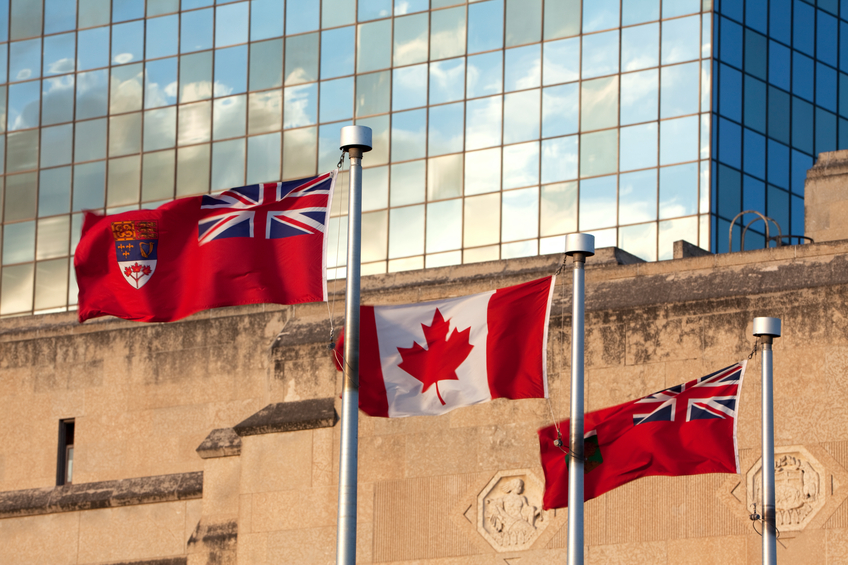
(433, 357)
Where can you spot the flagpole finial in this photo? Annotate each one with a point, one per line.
(356, 137)
(580, 243)
(766, 327)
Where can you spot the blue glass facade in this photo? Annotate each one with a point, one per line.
(780, 99)
(499, 126)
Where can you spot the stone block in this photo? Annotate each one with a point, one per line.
(442, 453)
(276, 462)
(728, 550)
(836, 549)
(382, 457)
(322, 457)
(36, 540)
(310, 545)
(222, 442)
(294, 509)
(221, 482)
(289, 417)
(629, 554)
(132, 533)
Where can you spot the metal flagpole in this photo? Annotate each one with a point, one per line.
(578, 246)
(356, 140)
(767, 329)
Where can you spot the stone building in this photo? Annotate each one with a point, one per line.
(215, 439)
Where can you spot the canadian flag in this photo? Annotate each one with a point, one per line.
(433, 357)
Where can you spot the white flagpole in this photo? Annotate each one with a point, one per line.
(767, 329)
(578, 246)
(356, 140)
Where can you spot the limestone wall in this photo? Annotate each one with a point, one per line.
(145, 397)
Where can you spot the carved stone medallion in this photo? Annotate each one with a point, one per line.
(509, 510)
(798, 488)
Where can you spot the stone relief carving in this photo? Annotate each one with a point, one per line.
(798, 492)
(509, 510)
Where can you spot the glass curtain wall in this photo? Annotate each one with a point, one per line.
(499, 125)
(781, 99)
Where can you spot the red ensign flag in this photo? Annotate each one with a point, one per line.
(263, 243)
(687, 429)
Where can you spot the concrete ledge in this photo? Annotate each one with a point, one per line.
(105, 494)
(683, 250)
(290, 417)
(164, 561)
(223, 442)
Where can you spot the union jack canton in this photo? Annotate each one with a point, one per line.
(279, 210)
(711, 397)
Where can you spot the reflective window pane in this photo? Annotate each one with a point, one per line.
(377, 195)
(231, 70)
(265, 68)
(410, 6)
(675, 230)
(193, 170)
(56, 145)
(302, 15)
(407, 183)
(299, 159)
(640, 47)
(523, 21)
(122, 182)
(482, 220)
(124, 134)
(445, 131)
(485, 25)
(57, 100)
(680, 8)
(17, 285)
(407, 231)
(300, 105)
(232, 24)
(196, 31)
(301, 59)
(640, 240)
(229, 117)
(157, 175)
(561, 61)
(94, 12)
(639, 11)
(558, 209)
(523, 68)
(678, 191)
(194, 123)
(93, 48)
(25, 60)
(483, 122)
(160, 129)
(520, 165)
(90, 141)
(127, 10)
(374, 46)
(54, 191)
(409, 87)
(447, 33)
(21, 192)
(22, 151)
(520, 214)
(59, 15)
(444, 226)
(600, 14)
(637, 196)
(446, 81)
(559, 159)
(336, 99)
(162, 36)
(681, 40)
(375, 232)
(160, 83)
(411, 39)
(92, 94)
(598, 154)
(639, 147)
(263, 158)
(196, 77)
(266, 19)
(639, 97)
(51, 283)
(679, 90)
(444, 177)
(373, 93)
(600, 54)
(89, 186)
(560, 106)
(679, 140)
(483, 171)
(127, 43)
(227, 164)
(521, 116)
(484, 75)
(24, 105)
(126, 88)
(409, 135)
(597, 203)
(337, 48)
(600, 102)
(562, 18)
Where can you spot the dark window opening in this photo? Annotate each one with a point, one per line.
(65, 467)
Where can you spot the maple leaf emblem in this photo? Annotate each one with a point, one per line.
(441, 358)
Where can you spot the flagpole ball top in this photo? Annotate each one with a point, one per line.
(580, 243)
(767, 327)
(356, 137)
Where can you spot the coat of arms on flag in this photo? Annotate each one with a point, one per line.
(136, 246)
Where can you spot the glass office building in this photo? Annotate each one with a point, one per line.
(499, 125)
